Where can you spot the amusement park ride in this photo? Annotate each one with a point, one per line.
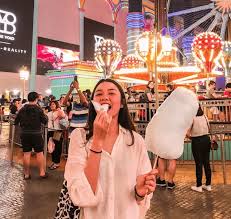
(188, 63)
(198, 52)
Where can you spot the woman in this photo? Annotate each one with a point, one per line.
(61, 99)
(55, 132)
(201, 143)
(149, 92)
(108, 171)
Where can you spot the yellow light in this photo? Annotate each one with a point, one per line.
(166, 43)
(24, 73)
(185, 78)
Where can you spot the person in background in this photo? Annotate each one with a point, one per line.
(211, 91)
(3, 100)
(169, 90)
(24, 102)
(137, 96)
(61, 99)
(227, 92)
(149, 92)
(130, 95)
(30, 118)
(41, 101)
(217, 112)
(100, 177)
(15, 106)
(46, 101)
(55, 132)
(171, 170)
(46, 109)
(88, 91)
(79, 112)
(199, 134)
(52, 98)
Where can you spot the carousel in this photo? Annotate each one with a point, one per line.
(156, 58)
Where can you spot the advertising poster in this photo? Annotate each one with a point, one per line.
(94, 33)
(16, 28)
(51, 54)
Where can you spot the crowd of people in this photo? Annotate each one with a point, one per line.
(100, 142)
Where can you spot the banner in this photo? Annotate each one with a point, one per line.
(94, 32)
(16, 28)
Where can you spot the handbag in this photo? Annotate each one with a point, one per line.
(65, 208)
(214, 145)
(213, 142)
(57, 135)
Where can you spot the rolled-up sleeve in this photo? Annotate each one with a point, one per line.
(78, 186)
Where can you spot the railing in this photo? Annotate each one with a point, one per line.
(217, 109)
(219, 113)
(214, 109)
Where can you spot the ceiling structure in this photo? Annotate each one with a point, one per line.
(117, 5)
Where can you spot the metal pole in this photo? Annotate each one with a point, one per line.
(223, 158)
(45, 148)
(1, 118)
(156, 73)
(12, 144)
(114, 25)
(81, 33)
(24, 85)
(34, 48)
(213, 165)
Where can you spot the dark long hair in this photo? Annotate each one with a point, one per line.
(151, 89)
(124, 118)
(56, 103)
(200, 111)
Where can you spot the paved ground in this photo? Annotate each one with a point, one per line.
(182, 203)
(37, 199)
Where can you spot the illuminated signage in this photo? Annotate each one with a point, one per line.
(94, 33)
(7, 22)
(52, 54)
(16, 28)
(98, 40)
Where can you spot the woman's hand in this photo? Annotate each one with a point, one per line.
(100, 129)
(146, 184)
(75, 85)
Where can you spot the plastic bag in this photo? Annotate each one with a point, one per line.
(64, 123)
(51, 145)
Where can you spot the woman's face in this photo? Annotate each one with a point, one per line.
(108, 93)
(151, 85)
(53, 106)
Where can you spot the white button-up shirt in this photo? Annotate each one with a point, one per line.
(114, 197)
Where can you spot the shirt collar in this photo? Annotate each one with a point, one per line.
(122, 130)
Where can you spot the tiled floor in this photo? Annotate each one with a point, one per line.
(37, 198)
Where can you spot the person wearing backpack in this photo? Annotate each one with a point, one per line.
(30, 118)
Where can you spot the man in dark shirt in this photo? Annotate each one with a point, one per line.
(31, 117)
(3, 100)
